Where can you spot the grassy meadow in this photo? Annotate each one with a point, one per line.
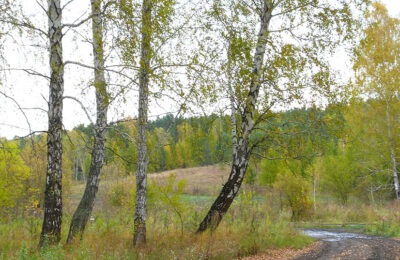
(258, 222)
(176, 207)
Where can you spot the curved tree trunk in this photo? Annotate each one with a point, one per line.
(85, 207)
(228, 193)
(241, 153)
(51, 229)
(139, 236)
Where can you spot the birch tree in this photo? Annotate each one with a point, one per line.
(155, 48)
(278, 53)
(377, 67)
(367, 128)
(51, 229)
(85, 207)
(139, 236)
(15, 19)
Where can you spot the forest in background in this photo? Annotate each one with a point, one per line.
(321, 152)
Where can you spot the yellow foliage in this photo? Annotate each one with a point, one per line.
(13, 175)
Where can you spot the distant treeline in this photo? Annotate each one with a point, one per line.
(338, 150)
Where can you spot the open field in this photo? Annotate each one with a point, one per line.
(249, 228)
(202, 183)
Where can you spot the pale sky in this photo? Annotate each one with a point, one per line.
(31, 92)
(393, 6)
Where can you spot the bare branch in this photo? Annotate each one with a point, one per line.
(83, 107)
(92, 68)
(20, 108)
(28, 71)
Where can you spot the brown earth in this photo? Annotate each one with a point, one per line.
(284, 253)
(340, 243)
(206, 180)
(373, 248)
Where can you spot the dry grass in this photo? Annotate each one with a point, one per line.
(205, 180)
(250, 227)
(109, 236)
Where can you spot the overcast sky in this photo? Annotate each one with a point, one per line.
(31, 92)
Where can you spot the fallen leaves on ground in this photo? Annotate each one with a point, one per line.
(284, 253)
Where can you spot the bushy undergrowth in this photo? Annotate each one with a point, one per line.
(251, 226)
(110, 238)
(295, 191)
(255, 223)
(387, 223)
(362, 213)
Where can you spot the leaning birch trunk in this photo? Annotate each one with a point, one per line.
(85, 207)
(392, 152)
(51, 229)
(139, 236)
(241, 154)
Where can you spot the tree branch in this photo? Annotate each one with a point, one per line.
(83, 107)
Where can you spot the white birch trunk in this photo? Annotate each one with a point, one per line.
(139, 237)
(51, 229)
(392, 152)
(241, 155)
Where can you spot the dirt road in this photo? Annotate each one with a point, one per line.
(344, 244)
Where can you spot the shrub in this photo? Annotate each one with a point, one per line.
(13, 175)
(296, 192)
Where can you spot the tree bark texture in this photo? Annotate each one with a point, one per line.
(232, 97)
(139, 237)
(85, 207)
(51, 229)
(392, 152)
(241, 154)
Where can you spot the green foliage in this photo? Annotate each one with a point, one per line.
(296, 191)
(374, 122)
(122, 195)
(340, 175)
(388, 227)
(269, 171)
(170, 195)
(251, 175)
(189, 142)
